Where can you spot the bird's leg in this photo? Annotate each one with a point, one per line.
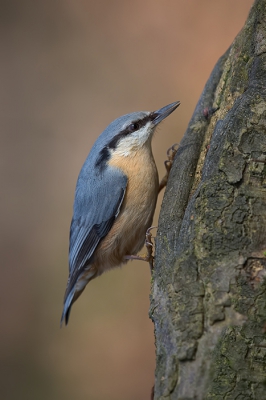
(149, 246)
(171, 152)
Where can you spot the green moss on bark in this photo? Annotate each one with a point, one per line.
(208, 300)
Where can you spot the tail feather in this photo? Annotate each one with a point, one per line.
(67, 307)
(75, 287)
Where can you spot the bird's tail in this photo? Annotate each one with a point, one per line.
(73, 291)
(69, 300)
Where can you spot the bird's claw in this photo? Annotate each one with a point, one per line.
(148, 257)
(171, 152)
(149, 247)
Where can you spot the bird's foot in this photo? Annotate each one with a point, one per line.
(171, 152)
(148, 257)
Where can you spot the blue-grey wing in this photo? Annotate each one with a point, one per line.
(97, 205)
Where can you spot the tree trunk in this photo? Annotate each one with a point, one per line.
(208, 300)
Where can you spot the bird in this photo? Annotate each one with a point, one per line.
(115, 199)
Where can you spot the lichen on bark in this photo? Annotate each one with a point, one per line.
(208, 299)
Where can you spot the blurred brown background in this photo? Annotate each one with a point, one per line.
(68, 68)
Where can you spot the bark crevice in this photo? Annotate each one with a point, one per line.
(208, 300)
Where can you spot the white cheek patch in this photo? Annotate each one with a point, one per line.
(131, 143)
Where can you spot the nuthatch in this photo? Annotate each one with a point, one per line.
(115, 199)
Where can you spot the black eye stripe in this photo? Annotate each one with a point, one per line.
(133, 127)
(101, 161)
(104, 155)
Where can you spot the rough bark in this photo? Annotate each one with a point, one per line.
(208, 299)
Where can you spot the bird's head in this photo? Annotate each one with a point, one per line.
(125, 136)
(132, 131)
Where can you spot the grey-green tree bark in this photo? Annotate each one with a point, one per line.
(208, 299)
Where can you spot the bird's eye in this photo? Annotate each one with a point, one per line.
(134, 127)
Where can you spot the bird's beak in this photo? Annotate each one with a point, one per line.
(162, 113)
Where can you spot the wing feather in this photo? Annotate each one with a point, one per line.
(97, 205)
(84, 237)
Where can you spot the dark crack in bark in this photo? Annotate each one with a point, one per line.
(208, 300)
